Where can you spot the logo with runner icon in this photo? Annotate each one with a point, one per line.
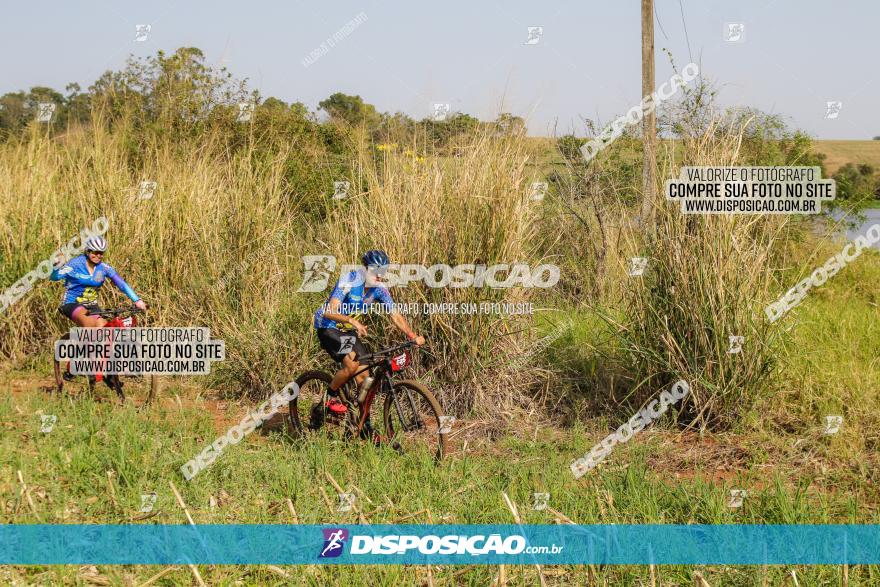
(334, 542)
(316, 273)
(346, 344)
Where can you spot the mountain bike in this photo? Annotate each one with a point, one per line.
(122, 317)
(412, 416)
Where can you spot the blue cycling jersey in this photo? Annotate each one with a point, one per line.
(354, 299)
(82, 287)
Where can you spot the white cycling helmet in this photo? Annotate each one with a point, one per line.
(96, 243)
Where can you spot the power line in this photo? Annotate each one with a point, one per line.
(660, 24)
(686, 37)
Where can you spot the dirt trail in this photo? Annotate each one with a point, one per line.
(224, 413)
(716, 459)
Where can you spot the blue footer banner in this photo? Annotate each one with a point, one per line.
(439, 544)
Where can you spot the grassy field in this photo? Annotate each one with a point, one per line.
(221, 244)
(100, 458)
(66, 471)
(840, 153)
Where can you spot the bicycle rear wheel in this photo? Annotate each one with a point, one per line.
(61, 372)
(308, 411)
(412, 419)
(58, 369)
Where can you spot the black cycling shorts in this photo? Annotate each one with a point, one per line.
(339, 344)
(67, 309)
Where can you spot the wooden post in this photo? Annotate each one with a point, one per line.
(649, 123)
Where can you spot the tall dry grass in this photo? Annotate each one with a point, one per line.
(220, 244)
(211, 214)
(469, 208)
(708, 278)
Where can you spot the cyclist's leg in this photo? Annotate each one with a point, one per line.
(344, 348)
(82, 319)
(79, 315)
(349, 369)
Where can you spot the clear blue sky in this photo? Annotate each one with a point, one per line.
(796, 54)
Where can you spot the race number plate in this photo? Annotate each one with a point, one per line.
(399, 362)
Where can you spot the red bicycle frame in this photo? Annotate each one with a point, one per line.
(393, 364)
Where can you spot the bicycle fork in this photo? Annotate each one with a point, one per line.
(417, 420)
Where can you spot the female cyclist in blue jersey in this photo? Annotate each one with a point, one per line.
(339, 329)
(83, 276)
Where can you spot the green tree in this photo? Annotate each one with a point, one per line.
(508, 124)
(351, 110)
(394, 127)
(298, 109)
(857, 182)
(20, 108)
(274, 104)
(440, 133)
(14, 113)
(78, 104)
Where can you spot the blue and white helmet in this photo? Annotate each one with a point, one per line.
(375, 259)
(96, 243)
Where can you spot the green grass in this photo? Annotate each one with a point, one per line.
(830, 364)
(794, 474)
(66, 470)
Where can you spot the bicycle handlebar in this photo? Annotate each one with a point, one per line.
(115, 312)
(389, 351)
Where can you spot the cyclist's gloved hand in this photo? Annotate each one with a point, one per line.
(419, 340)
(360, 328)
(141, 305)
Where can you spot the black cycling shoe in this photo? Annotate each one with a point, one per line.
(370, 433)
(115, 383)
(316, 419)
(68, 376)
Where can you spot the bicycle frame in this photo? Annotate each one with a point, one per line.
(123, 317)
(117, 321)
(380, 370)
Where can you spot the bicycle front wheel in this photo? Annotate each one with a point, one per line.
(412, 418)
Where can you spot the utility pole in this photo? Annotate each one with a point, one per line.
(649, 122)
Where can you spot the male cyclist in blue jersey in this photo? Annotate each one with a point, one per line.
(339, 329)
(83, 276)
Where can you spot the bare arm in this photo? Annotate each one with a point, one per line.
(402, 324)
(332, 312)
